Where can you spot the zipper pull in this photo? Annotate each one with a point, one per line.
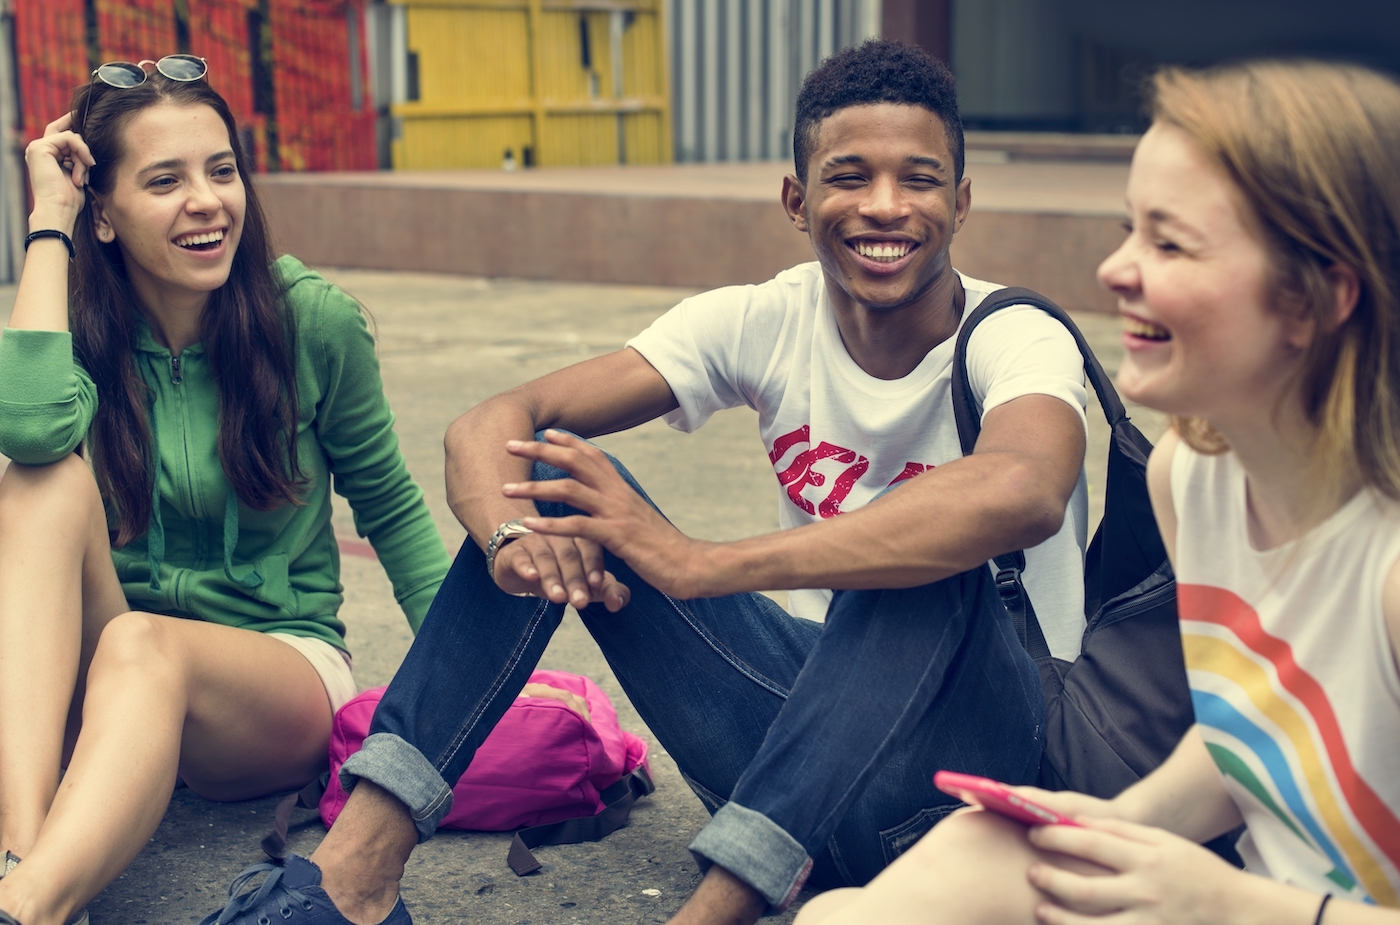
(175, 376)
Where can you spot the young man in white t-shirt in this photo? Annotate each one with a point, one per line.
(812, 743)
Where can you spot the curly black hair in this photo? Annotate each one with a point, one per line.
(876, 71)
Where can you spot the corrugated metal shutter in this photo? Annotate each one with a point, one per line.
(737, 66)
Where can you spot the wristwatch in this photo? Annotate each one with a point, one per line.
(510, 530)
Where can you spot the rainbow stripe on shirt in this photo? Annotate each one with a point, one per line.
(1272, 729)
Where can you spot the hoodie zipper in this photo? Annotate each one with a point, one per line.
(177, 377)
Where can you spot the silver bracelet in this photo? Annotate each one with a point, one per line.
(510, 530)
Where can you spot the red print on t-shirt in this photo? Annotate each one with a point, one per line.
(911, 469)
(799, 473)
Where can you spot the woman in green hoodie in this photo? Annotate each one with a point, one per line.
(176, 404)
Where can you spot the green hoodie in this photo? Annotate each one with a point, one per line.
(205, 555)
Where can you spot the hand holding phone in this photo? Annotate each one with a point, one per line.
(998, 798)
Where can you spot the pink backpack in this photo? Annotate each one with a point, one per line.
(544, 767)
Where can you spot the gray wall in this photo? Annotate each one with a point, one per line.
(1076, 64)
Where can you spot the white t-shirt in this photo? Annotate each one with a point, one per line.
(837, 436)
(1293, 679)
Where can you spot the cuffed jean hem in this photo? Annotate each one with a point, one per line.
(390, 762)
(756, 850)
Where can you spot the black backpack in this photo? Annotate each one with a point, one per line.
(1118, 710)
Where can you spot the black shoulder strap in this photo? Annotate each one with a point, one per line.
(965, 406)
(965, 412)
(617, 800)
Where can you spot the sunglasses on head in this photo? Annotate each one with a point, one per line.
(124, 75)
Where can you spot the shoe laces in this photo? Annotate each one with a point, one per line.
(284, 894)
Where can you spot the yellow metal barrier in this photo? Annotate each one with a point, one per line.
(553, 82)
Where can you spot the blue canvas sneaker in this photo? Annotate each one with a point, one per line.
(291, 893)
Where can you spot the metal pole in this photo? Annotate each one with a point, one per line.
(711, 79)
(687, 30)
(826, 29)
(871, 19)
(805, 14)
(733, 76)
(779, 58)
(12, 198)
(615, 29)
(754, 54)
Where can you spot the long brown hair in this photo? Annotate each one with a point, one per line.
(1311, 148)
(247, 333)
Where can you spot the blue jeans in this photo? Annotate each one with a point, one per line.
(812, 745)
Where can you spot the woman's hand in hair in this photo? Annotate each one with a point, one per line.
(58, 166)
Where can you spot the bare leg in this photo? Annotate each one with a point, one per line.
(236, 713)
(58, 589)
(824, 906)
(363, 856)
(362, 861)
(721, 899)
(969, 870)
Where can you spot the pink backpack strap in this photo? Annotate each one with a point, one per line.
(618, 800)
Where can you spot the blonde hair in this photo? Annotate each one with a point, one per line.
(1314, 150)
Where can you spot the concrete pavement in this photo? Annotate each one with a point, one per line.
(445, 343)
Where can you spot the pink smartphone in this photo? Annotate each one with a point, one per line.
(997, 797)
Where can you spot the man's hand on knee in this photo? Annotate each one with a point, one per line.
(560, 569)
(616, 517)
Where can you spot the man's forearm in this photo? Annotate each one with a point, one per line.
(942, 522)
(477, 465)
(606, 394)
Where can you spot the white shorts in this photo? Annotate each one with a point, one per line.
(332, 664)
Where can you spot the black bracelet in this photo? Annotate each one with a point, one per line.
(51, 233)
(1327, 898)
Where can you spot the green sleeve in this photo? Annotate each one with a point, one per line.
(356, 429)
(47, 400)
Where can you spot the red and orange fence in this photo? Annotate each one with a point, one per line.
(294, 72)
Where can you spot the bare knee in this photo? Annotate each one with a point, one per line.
(823, 906)
(969, 869)
(973, 835)
(136, 644)
(62, 491)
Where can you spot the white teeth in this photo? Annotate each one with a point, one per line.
(190, 240)
(883, 252)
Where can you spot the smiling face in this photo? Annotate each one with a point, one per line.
(881, 204)
(177, 203)
(1203, 334)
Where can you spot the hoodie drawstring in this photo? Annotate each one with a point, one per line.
(254, 577)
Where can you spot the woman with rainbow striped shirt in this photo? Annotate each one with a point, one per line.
(1260, 291)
